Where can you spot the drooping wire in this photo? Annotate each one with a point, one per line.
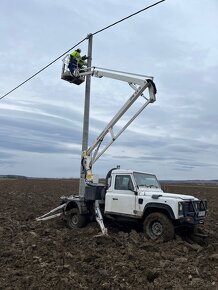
(131, 15)
(115, 23)
(38, 72)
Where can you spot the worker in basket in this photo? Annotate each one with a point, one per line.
(76, 60)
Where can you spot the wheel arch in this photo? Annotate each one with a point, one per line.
(72, 205)
(158, 207)
(80, 205)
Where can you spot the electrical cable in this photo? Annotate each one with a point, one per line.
(131, 15)
(42, 69)
(38, 72)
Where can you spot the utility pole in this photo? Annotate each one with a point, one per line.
(86, 115)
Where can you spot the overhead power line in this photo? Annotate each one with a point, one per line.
(127, 17)
(38, 72)
(109, 26)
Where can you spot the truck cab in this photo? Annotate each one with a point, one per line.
(138, 195)
(124, 191)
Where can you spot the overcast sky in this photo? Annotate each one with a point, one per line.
(41, 123)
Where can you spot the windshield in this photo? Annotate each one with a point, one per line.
(146, 180)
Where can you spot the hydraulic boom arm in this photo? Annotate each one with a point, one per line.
(139, 83)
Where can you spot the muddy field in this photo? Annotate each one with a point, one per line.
(47, 255)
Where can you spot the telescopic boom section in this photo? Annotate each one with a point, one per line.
(139, 83)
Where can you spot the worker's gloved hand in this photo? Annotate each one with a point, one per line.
(84, 57)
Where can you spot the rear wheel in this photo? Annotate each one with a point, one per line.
(157, 226)
(76, 220)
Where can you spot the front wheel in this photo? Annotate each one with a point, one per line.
(157, 226)
(76, 220)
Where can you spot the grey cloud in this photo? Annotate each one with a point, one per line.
(7, 160)
(183, 121)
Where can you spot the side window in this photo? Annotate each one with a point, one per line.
(123, 182)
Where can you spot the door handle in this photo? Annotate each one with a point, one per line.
(115, 198)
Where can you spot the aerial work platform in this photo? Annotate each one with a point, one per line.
(69, 72)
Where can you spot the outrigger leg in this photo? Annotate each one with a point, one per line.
(99, 218)
(47, 216)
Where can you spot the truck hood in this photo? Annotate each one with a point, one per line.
(157, 191)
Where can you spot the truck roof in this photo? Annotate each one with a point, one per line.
(128, 171)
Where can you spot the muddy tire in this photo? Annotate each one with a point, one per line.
(157, 226)
(76, 220)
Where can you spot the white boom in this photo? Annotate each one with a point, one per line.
(139, 83)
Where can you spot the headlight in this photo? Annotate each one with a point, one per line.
(180, 208)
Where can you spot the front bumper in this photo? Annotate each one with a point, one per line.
(193, 212)
(191, 220)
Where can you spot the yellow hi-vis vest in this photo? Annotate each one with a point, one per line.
(76, 55)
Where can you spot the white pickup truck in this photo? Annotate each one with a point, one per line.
(134, 196)
(128, 195)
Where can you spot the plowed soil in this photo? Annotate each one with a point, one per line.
(48, 255)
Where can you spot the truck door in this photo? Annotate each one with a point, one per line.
(119, 198)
